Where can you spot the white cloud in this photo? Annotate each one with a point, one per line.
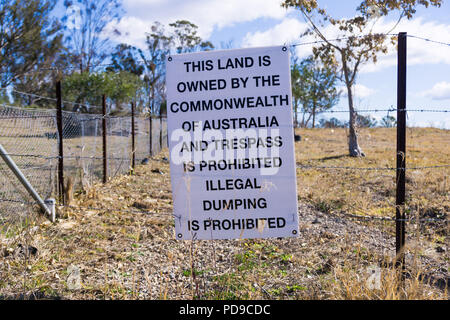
(440, 91)
(442, 124)
(208, 15)
(288, 31)
(419, 51)
(132, 31)
(359, 91)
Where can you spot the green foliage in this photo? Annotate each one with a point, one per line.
(230, 286)
(160, 43)
(294, 288)
(29, 41)
(247, 260)
(388, 122)
(124, 58)
(85, 22)
(88, 89)
(359, 44)
(186, 38)
(158, 48)
(366, 121)
(332, 123)
(314, 88)
(188, 272)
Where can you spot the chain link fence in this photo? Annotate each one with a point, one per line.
(30, 137)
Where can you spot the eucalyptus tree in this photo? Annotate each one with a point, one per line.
(358, 43)
(29, 41)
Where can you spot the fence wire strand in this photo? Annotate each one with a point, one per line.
(30, 138)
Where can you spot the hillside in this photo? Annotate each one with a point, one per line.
(117, 240)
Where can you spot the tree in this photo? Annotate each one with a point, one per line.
(314, 87)
(160, 43)
(121, 88)
(388, 121)
(332, 123)
(158, 48)
(87, 89)
(365, 121)
(125, 58)
(186, 39)
(29, 40)
(295, 85)
(85, 22)
(359, 43)
(40, 80)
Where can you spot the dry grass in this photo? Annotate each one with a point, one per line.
(125, 249)
(367, 192)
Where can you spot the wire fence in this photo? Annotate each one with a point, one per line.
(343, 195)
(30, 138)
(26, 133)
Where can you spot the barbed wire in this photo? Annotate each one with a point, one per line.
(342, 38)
(299, 166)
(446, 110)
(63, 102)
(166, 214)
(49, 98)
(373, 110)
(93, 116)
(145, 63)
(384, 218)
(429, 40)
(365, 36)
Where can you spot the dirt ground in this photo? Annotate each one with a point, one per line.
(124, 247)
(116, 241)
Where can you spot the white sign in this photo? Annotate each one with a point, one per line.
(231, 144)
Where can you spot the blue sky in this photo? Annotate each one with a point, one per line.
(248, 23)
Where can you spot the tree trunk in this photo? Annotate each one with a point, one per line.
(307, 120)
(353, 146)
(296, 114)
(314, 117)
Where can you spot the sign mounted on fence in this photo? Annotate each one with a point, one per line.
(231, 144)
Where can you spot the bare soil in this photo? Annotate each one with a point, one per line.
(117, 242)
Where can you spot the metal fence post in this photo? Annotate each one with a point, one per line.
(401, 153)
(59, 124)
(24, 181)
(133, 138)
(105, 162)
